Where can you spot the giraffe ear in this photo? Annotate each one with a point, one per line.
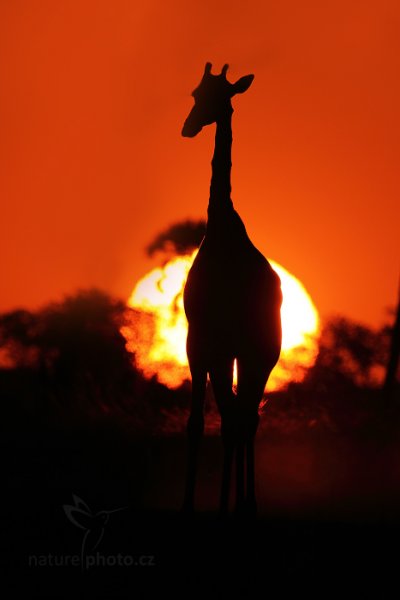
(242, 84)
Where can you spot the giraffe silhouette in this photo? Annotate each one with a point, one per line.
(232, 300)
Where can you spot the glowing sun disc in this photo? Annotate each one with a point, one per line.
(158, 328)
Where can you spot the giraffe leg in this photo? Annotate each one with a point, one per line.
(221, 375)
(251, 503)
(252, 379)
(240, 479)
(195, 428)
(226, 479)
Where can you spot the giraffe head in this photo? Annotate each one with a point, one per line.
(212, 99)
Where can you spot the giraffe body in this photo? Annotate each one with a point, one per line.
(226, 301)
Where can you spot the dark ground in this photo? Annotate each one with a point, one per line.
(329, 517)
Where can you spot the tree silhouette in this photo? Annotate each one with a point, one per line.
(350, 355)
(18, 339)
(179, 238)
(75, 347)
(393, 361)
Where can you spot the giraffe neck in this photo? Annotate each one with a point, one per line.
(220, 189)
(225, 232)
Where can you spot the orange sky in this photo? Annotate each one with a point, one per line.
(93, 95)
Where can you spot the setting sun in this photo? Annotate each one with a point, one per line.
(157, 333)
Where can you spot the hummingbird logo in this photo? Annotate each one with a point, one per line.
(93, 524)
